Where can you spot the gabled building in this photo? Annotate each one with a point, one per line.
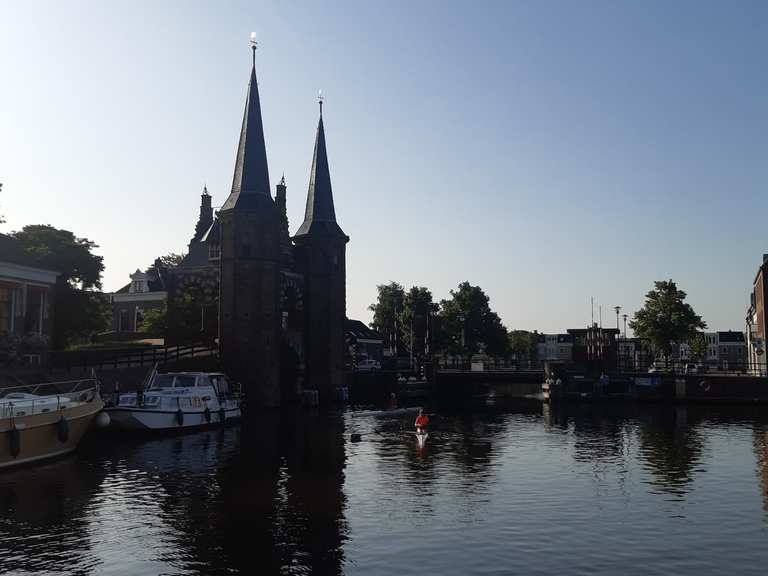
(145, 291)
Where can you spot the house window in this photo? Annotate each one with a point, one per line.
(138, 319)
(35, 306)
(214, 251)
(5, 309)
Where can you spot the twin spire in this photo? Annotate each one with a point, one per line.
(250, 184)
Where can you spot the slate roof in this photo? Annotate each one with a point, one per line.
(361, 331)
(250, 184)
(320, 215)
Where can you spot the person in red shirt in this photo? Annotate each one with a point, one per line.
(422, 421)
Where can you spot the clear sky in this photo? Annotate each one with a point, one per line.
(546, 151)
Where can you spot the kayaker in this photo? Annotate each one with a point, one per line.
(422, 421)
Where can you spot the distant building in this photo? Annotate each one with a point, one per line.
(146, 291)
(555, 347)
(363, 343)
(633, 354)
(26, 297)
(757, 321)
(725, 350)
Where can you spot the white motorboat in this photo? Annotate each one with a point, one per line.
(176, 401)
(46, 420)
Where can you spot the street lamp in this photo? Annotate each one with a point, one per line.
(618, 309)
(625, 325)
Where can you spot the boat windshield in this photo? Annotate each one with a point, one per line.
(173, 381)
(163, 381)
(184, 381)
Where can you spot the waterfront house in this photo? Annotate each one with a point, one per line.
(756, 321)
(26, 296)
(145, 291)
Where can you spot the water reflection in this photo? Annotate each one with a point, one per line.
(521, 486)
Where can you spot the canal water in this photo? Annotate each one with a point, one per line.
(495, 490)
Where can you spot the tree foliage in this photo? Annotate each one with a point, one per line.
(155, 321)
(387, 310)
(170, 260)
(468, 323)
(697, 347)
(415, 319)
(666, 318)
(524, 345)
(60, 250)
(79, 311)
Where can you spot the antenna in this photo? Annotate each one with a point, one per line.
(320, 99)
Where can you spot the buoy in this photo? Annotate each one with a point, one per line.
(355, 438)
(62, 429)
(180, 417)
(103, 420)
(15, 439)
(207, 414)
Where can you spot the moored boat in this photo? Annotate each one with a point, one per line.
(45, 420)
(177, 401)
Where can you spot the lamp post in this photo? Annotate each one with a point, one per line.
(625, 325)
(618, 309)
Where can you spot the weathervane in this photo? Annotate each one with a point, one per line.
(254, 44)
(320, 100)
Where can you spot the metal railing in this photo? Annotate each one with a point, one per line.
(128, 357)
(45, 397)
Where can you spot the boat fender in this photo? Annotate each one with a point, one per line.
(222, 415)
(15, 440)
(103, 420)
(207, 414)
(62, 429)
(355, 437)
(180, 417)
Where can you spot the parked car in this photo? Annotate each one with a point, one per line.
(368, 365)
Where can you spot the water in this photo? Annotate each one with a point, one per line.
(576, 490)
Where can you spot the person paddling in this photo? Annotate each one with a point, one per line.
(422, 421)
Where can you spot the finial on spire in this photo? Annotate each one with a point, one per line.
(282, 180)
(205, 189)
(254, 44)
(320, 100)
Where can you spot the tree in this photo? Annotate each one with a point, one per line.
(170, 260)
(79, 311)
(417, 311)
(387, 312)
(155, 321)
(698, 347)
(467, 322)
(524, 345)
(666, 318)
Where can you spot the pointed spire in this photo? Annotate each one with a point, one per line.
(320, 215)
(250, 184)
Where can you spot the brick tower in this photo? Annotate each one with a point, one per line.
(250, 265)
(320, 252)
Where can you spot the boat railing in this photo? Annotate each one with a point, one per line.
(46, 397)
